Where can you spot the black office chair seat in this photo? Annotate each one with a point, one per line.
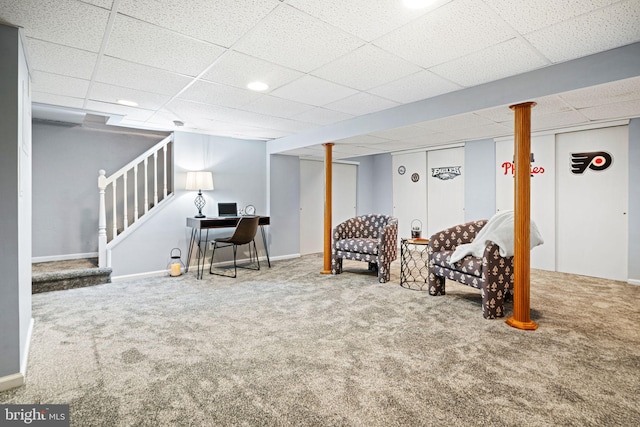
(244, 234)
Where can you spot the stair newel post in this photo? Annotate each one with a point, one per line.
(522, 218)
(125, 196)
(102, 220)
(146, 184)
(164, 172)
(155, 178)
(135, 193)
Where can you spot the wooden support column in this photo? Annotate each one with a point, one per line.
(522, 214)
(328, 181)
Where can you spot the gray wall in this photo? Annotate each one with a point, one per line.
(15, 208)
(66, 161)
(239, 175)
(634, 200)
(479, 179)
(375, 186)
(284, 205)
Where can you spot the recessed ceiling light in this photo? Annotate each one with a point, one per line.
(127, 102)
(417, 4)
(258, 86)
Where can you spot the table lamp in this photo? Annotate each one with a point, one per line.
(202, 180)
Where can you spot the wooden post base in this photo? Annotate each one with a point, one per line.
(325, 272)
(527, 326)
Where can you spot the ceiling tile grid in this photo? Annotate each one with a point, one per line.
(322, 116)
(620, 91)
(421, 85)
(58, 59)
(216, 94)
(59, 85)
(111, 94)
(361, 103)
(278, 107)
(313, 91)
(59, 100)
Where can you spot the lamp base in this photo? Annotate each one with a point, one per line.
(200, 215)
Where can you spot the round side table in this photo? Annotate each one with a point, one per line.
(413, 263)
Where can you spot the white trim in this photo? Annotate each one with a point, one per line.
(634, 282)
(25, 356)
(140, 275)
(11, 381)
(67, 257)
(321, 159)
(588, 126)
(281, 257)
(429, 148)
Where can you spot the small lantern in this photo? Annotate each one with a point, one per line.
(416, 229)
(175, 264)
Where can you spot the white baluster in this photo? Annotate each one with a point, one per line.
(102, 221)
(125, 196)
(146, 184)
(164, 174)
(155, 179)
(114, 209)
(135, 193)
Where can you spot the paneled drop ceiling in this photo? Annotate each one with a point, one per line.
(325, 62)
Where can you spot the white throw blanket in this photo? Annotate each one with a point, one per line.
(499, 230)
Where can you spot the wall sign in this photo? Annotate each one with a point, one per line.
(511, 167)
(402, 170)
(446, 173)
(415, 177)
(595, 160)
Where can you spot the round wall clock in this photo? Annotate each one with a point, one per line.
(415, 177)
(250, 210)
(402, 170)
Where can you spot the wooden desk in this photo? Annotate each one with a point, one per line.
(199, 224)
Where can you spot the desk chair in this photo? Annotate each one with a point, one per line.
(244, 234)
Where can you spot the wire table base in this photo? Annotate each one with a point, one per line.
(414, 264)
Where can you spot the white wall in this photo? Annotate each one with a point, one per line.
(15, 209)
(239, 175)
(284, 206)
(634, 201)
(479, 180)
(66, 161)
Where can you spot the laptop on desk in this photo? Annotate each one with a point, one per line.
(227, 209)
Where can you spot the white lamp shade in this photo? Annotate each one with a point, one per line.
(199, 180)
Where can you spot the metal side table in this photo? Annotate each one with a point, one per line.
(413, 264)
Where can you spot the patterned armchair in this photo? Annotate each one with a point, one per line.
(492, 274)
(370, 238)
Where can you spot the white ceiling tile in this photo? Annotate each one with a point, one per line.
(106, 4)
(305, 152)
(354, 150)
(454, 30)
(123, 73)
(237, 69)
(216, 94)
(544, 105)
(222, 21)
(313, 91)
(284, 124)
(146, 44)
(494, 63)
(58, 59)
(612, 111)
(415, 87)
(296, 40)
(190, 110)
(404, 132)
(622, 90)
(322, 116)
(437, 138)
(392, 146)
(61, 100)
(66, 22)
(111, 94)
(277, 107)
(363, 140)
(361, 103)
(603, 29)
(59, 85)
(532, 15)
(366, 67)
(555, 120)
(364, 18)
(129, 112)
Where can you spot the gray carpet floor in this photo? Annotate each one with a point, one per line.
(289, 346)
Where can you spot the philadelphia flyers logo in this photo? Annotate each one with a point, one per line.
(595, 160)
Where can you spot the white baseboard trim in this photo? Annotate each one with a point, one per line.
(38, 259)
(281, 257)
(634, 282)
(157, 273)
(25, 356)
(11, 381)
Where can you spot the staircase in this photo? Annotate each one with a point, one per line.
(59, 275)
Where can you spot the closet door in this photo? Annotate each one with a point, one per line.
(409, 191)
(592, 198)
(312, 201)
(445, 189)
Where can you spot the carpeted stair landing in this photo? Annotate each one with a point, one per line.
(59, 275)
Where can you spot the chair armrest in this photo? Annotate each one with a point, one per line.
(450, 238)
(343, 230)
(388, 240)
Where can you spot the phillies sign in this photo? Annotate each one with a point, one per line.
(510, 167)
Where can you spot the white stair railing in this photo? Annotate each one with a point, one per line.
(117, 184)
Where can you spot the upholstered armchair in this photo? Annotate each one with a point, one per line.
(369, 238)
(492, 273)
